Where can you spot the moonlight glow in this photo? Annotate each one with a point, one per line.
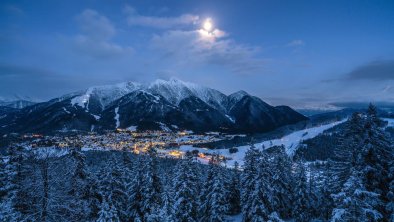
(208, 25)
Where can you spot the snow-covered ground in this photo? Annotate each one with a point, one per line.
(117, 117)
(390, 122)
(290, 142)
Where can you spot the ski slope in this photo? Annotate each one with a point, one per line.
(290, 142)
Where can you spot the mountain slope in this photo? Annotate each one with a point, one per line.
(172, 104)
(95, 99)
(54, 115)
(17, 104)
(176, 90)
(139, 108)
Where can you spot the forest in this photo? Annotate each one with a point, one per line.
(353, 183)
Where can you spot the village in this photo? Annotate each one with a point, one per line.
(166, 143)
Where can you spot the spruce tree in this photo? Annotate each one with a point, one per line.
(108, 212)
(166, 213)
(354, 202)
(281, 182)
(113, 188)
(233, 187)
(135, 192)
(214, 201)
(390, 194)
(79, 201)
(151, 188)
(248, 181)
(10, 185)
(301, 207)
(326, 203)
(185, 188)
(376, 157)
(262, 199)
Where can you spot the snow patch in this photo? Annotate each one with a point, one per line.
(231, 119)
(82, 100)
(47, 152)
(132, 128)
(164, 127)
(390, 122)
(65, 110)
(117, 117)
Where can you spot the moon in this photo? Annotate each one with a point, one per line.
(207, 26)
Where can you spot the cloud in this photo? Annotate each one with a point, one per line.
(95, 25)
(382, 70)
(295, 43)
(41, 82)
(135, 19)
(96, 35)
(12, 71)
(387, 88)
(200, 48)
(13, 9)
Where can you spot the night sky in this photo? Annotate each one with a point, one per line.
(286, 52)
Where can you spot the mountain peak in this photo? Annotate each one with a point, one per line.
(239, 94)
(173, 82)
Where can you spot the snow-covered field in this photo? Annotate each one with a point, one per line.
(390, 122)
(290, 142)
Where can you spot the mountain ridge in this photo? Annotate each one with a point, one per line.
(160, 103)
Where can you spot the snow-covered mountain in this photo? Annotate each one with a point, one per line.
(176, 90)
(97, 98)
(171, 104)
(16, 104)
(173, 90)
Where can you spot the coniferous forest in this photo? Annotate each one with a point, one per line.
(354, 184)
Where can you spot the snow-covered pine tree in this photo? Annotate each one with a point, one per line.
(354, 202)
(4, 188)
(377, 154)
(95, 198)
(274, 217)
(128, 162)
(185, 188)
(134, 189)
(214, 201)
(262, 199)
(301, 207)
(206, 188)
(390, 194)
(248, 181)
(79, 201)
(282, 182)
(313, 193)
(326, 202)
(166, 213)
(351, 139)
(151, 188)
(233, 187)
(113, 188)
(10, 184)
(42, 209)
(108, 212)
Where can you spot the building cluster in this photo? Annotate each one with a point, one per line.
(166, 143)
